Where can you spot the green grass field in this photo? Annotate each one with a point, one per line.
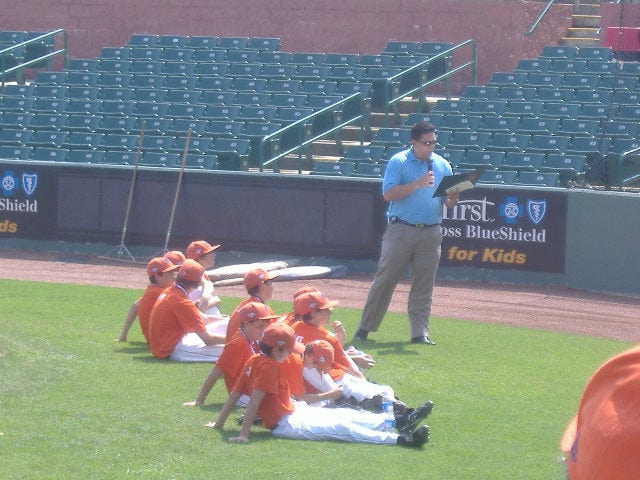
(76, 404)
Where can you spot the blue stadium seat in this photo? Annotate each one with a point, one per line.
(539, 179)
(520, 161)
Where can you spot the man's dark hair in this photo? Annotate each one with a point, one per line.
(420, 128)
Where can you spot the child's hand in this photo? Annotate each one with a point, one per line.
(213, 425)
(239, 439)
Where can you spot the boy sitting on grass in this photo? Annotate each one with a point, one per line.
(162, 273)
(254, 317)
(266, 384)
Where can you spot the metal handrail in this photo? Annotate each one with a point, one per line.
(392, 90)
(539, 19)
(21, 66)
(305, 135)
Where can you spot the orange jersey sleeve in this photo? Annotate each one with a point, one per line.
(145, 305)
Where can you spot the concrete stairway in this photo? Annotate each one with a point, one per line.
(585, 29)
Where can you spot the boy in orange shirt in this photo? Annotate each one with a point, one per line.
(254, 318)
(176, 329)
(270, 399)
(162, 273)
(259, 285)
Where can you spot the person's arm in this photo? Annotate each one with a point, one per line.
(207, 299)
(398, 192)
(332, 394)
(339, 331)
(250, 415)
(225, 411)
(131, 316)
(211, 338)
(209, 382)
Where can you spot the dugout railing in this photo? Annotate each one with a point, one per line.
(13, 64)
(435, 69)
(297, 137)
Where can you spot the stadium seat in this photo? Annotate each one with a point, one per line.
(434, 119)
(39, 121)
(621, 128)
(149, 94)
(463, 140)
(21, 120)
(145, 53)
(85, 156)
(120, 157)
(116, 124)
(341, 59)
(536, 126)
(160, 159)
(179, 95)
(453, 156)
(626, 97)
(256, 113)
(333, 169)
(81, 106)
(15, 136)
(451, 106)
(461, 122)
(560, 110)
(618, 82)
(51, 78)
(180, 126)
(49, 91)
(572, 127)
(208, 161)
(223, 128)
(369, 170)
(82, 78)
(583, 96)
(508, 79)
(498, 124)
(537, 79)
(113, 65)
(563, 65)
(548, 144)
(150, 109)
(539, 179)
(594, 53)
(365, 153)
(508, 142)
(176, 68)
(115, 94)
(221, 112)
(15, 152)
(628, 112)
(568, 167)
(583, 145)
(622, 144)
(83, 140)
(555, 94)
(48, 154)
(559, 51)
(392, 137)
(489, 92)
(202, 42)
(83, 92)
(577, 80)
(232, 153)
(199, 145)
(143, 40)
(500, 177)
(282, 71)
(115, 79)
(394, 47)
(514, 92)
(596, 111)
(210, 57)
(216, 68)
(287, 115)
(49, 105)
(81, 123)
(600, 67)
(172, 41)
(274, 57)
(147, 81)
(230, 43)
(252, 98)
(177, 54)
(264, 44)
(242, 56)
(477, 158)
(523, 108)
(520, 161)
(157, 143)
(244, 84)
(47, 138)
(541, 65)
(117, 141)
(185, 110)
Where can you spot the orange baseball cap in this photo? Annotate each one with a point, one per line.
(255, 277)
(302, 290)
(160, 265)
(198, 248)
(603, 439)
(279, 334)
(191, 270)
(252, 311)
(176, 257)
(310, 301)
(323, 353)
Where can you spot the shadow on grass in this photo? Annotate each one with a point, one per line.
(396, 348)
(133, 347)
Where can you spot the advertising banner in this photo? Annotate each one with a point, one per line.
(27, 201)
(506, 229)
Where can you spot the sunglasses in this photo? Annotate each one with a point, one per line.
(427, 143)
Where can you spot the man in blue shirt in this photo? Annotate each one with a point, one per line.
(413, 236)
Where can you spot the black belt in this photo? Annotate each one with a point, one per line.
(395, 219)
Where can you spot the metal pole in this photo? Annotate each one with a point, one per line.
(122, 249)
(175, 198)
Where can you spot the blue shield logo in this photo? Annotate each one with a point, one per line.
(536, 210)
(29, 183)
